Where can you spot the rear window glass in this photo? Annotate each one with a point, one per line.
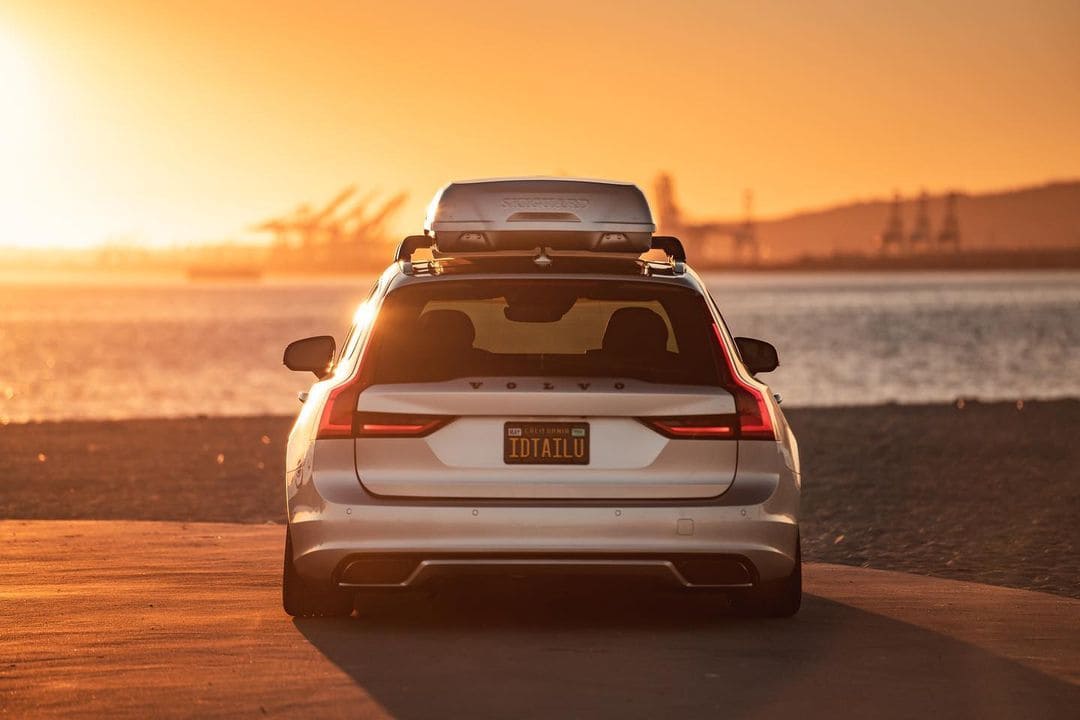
(545, 328)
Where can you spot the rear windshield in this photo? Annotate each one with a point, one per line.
(545, 328)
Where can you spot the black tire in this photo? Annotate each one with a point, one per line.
(779, 598)
(303, 598)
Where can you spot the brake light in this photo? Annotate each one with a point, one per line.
(337, 415)
(340, 418)
(750, 421)
(751, 407)
(370, 424)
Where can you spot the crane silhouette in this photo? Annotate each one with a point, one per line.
(283, 227)
(703, 238)
(330, 239)
(311, 227)
(366, 229)
(336, 229)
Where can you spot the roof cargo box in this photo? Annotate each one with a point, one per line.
(526, 213)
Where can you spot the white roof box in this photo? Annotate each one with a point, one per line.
(525, 213)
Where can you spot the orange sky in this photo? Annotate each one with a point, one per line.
(179, 121)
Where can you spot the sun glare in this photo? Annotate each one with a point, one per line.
(17, 91)
(20, 146)
(363, 315)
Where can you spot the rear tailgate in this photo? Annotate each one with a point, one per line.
(465, 458)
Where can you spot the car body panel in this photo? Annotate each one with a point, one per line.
(433, 495)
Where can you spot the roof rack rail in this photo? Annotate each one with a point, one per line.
(541, 257)
(670, 245)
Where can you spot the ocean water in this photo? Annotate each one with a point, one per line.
(73, 348)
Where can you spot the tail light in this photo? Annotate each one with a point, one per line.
(751, 420)
(695, 427)
(337, 414)
(340, 418)
(751, 407)
(369, 424)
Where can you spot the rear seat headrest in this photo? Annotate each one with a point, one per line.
(451, 327)
(635, 328)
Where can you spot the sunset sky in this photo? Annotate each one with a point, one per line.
(189, 121)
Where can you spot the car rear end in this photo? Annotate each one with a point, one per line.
(505, 422)
(529, 389)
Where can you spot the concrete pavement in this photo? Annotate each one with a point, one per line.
(153, 619)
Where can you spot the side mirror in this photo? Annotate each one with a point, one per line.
(313, 354)
(758, 355)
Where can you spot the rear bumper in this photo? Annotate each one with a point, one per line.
(335, 524)
(526, 538)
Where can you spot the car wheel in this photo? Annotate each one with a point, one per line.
(303, 598)
(779, 598)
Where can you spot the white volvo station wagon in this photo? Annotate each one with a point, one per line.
(538, 384)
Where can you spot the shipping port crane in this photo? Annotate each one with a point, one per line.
(893, 240)
(704, 238)
(328, 241)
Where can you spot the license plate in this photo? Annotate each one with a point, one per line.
(546, 443)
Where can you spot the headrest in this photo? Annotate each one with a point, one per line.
(636, 329)
(449, 327)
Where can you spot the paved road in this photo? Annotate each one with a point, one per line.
(146, 619)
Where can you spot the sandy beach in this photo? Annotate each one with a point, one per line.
(984, 492)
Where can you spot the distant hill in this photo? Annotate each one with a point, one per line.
(1043, 216)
